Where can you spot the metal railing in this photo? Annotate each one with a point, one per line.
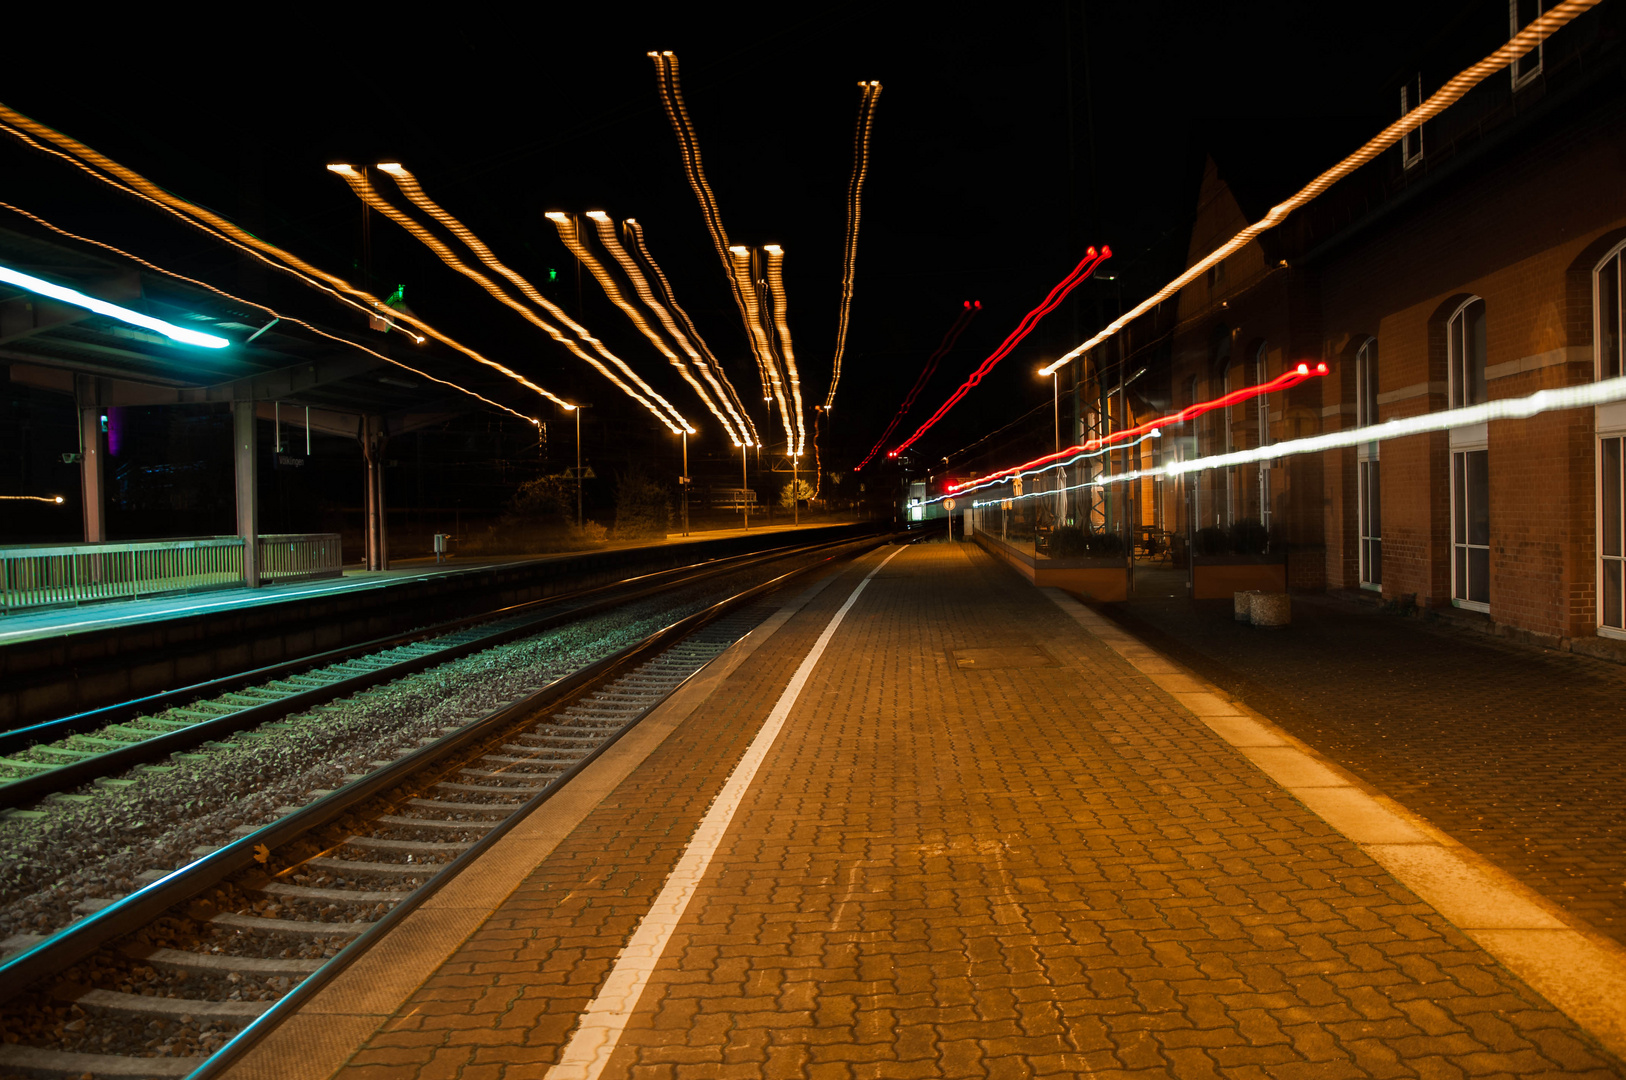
(298, 556)
(51, 575)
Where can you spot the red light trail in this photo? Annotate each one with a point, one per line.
(1284, 381)
(1084, 269)
(961, 321)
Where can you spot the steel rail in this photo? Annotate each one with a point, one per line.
(29, 789)
(78, 940)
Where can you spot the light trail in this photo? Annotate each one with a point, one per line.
(1083, 270)
(1285, 381)
(62, 294)
(640, 285)
(712, 368)
(989, 482)
(776, 291)
(761, 345)
(961, 321)
(364, 190)
(269, 311)
(1526, 39)
(53, 499)
(134, 184)
(1542, 401)
(671, 91)
(418, 197)
(869, 95)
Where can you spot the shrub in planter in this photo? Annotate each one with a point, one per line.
(1069, 542)
(1249, 537)
(1212, 540)
(1101, 545)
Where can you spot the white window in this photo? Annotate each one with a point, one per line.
(1262, 407)
(1369, 492)
(1466, 348)
(1411, 143)
(1611, 527)
(1520, 14)
(1470, 471)
(1228, 475)
(1611, 425)
(1607, 309)
(1470, 529)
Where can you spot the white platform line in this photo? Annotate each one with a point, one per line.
(595, 1038)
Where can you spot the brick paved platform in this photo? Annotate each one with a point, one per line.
(1517, 751)
(987, 842)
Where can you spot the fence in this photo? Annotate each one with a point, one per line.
(298, 556)
(33, 577)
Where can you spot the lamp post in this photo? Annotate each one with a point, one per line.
(795, 490)
(685, 483)
(745, 485)
(576, 410)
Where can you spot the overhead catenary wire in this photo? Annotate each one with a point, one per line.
(1087, 266)
(962, 319)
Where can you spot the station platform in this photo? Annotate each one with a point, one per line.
(22, 626)
(929, 821)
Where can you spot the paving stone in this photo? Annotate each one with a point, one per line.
(1019, 871)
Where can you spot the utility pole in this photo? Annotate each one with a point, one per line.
(745, 485)
(685, 483)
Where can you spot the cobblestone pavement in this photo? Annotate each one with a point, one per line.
(983, 845)
(1517, 752)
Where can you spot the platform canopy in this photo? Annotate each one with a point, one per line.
(108, 360)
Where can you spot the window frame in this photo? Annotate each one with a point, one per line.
(1513, 27)
(1467, 544)
(1609, 426)
(1408, 159)
(1456, 370)
(1368, 471)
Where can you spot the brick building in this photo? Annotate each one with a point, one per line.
(1481, 260)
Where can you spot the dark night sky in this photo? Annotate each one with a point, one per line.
(969, 196)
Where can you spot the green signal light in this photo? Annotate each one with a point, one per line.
(398, 297)
(553, 275)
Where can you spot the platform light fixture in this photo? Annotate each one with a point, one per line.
(63, 294)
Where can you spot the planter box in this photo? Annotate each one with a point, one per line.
(1220, 577)
(1089, 579)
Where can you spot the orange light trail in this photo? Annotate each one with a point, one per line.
(787, 353)
(1284, 381)
(640, 285)
(1084, 269)
(267, 310)
(1526, 39)
(133, 183)
(961, 321)
(418, 197)
(870, 94)
(711, 368)
(55, 500)
(666, 77)
(761, 344)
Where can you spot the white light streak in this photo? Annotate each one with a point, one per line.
(62, 293)
(1542, 401)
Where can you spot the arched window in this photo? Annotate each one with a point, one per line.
(1466, 343)
(1369, 494)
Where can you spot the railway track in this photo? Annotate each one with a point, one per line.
(52, 758)
(195, 966)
